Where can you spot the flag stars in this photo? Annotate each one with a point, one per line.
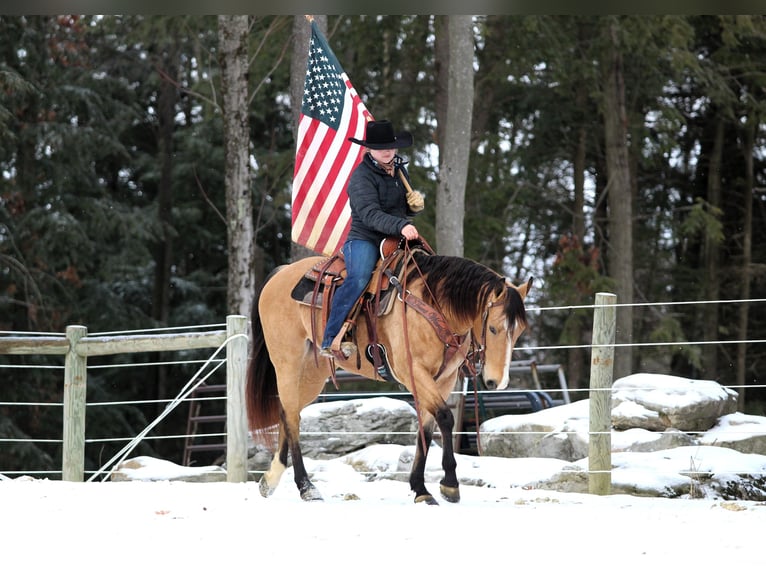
(324, 86)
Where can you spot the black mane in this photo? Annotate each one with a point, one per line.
(464, 286)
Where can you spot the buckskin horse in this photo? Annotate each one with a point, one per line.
(447, 314)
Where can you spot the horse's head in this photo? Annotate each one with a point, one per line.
(502, 322)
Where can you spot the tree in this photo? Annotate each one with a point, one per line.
(232, 33)
(620, 195)
(455, 67)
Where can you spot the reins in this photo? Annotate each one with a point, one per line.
(402, 288)
(473, 360)
(473, 356)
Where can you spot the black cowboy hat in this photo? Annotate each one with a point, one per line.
(380, 135)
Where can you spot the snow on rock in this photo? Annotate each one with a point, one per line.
(659, 402)
(150, 469)
(691, 472)
(336, 428)
(560, 432)
(741, 432)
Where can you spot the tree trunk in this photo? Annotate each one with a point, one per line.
(163, 251)
(712, 255)
(619, 195)
(455, 128)
(301, 39)
(576, 357)
(747, 246)
(232, 37)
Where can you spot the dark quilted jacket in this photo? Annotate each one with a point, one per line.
(378, 202)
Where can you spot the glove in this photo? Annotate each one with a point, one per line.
(415, 201)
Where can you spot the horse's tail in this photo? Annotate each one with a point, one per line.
(261, 387)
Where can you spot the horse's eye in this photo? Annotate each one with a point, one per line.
(492, 330)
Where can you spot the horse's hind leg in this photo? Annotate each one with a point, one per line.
(288, 443)
(292, 431)
(449, 486)
(271, 477)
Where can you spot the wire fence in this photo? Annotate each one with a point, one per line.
(104, 450)
(132, 352)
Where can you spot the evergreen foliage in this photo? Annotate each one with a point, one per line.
(81, 223)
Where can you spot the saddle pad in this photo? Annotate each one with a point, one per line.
(304, 289)
(331, 270)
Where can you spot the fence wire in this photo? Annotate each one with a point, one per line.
(184, 396)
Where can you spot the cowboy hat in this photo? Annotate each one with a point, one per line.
(380, 135)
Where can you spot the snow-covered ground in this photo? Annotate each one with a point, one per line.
(368, 522)
(366, 526)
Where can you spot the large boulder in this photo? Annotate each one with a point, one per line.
(649, 413)
(562, 432)
(642, 440)
(738, 431)
(693, 471)
(658, 402)
(559, 432)
(336, 428)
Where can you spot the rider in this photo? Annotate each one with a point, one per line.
(380, 206)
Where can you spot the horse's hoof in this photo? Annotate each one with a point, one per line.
(264, 488)
(311, 494)
(427, 498)
(450, 493)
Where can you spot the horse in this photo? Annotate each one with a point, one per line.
(474, 318)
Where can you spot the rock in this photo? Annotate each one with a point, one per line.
(148, 468)
(659, 402)
(672, 473)
(642, 440)
(336, 428)
(559, 432)
(259, 456)
(741, 432)
(628, 415)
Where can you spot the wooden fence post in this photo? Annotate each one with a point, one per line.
(75, 389)
(236, 419)
(601, 373)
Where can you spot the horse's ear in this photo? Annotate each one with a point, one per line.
(524, 289)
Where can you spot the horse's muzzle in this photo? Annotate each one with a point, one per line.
(490, 384)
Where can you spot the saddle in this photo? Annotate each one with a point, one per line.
(320, 282)
(317, 287)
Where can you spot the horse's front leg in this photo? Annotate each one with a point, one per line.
(417, 474)
(449, 486)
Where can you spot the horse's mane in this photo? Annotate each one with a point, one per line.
(464, 286)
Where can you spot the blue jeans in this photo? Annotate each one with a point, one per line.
(361, 257)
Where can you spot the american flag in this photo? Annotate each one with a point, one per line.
(331, 112)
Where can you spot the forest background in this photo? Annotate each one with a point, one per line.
(604, 153)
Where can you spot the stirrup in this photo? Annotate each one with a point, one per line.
(342, 353)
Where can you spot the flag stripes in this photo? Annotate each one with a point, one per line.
(332, 111)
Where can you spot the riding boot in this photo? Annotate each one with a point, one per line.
(341, 348)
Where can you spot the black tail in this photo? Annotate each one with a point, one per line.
(261, 388)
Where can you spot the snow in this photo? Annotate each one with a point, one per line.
(369, 523)
(363, 406)
(578, 411)
(367, 526)
(654, 389)
(736, 425)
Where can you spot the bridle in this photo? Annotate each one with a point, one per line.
(477, 351)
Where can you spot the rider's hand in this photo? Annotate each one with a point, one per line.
(410, 232)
